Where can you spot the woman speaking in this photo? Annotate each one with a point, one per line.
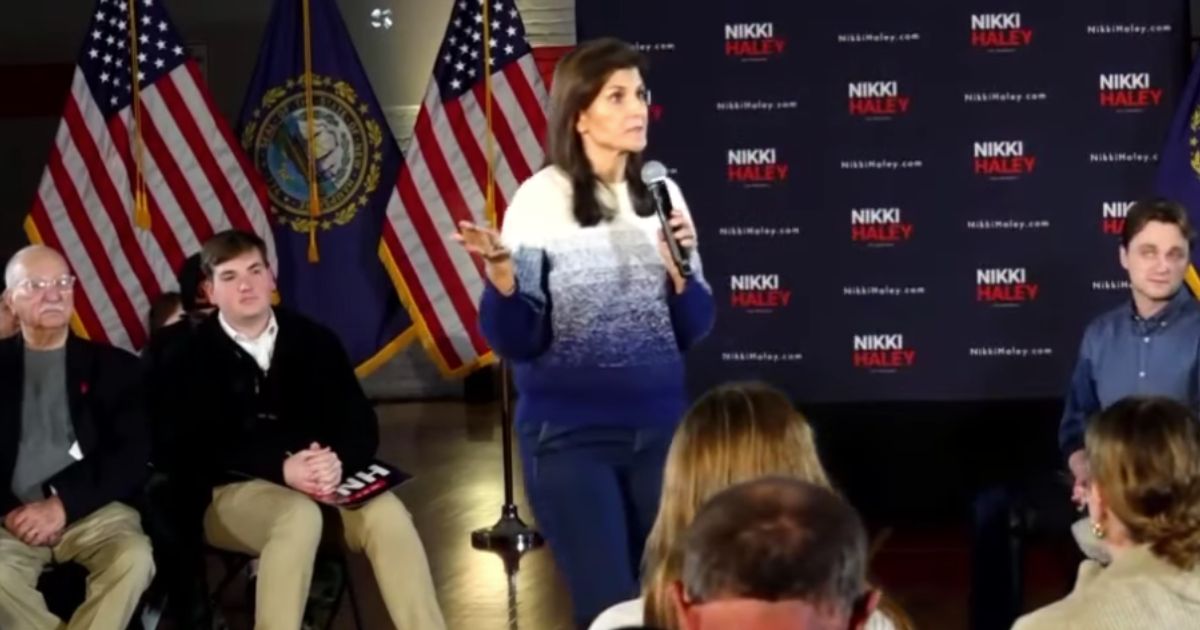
(585, 299)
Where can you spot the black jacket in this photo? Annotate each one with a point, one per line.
(230, 420)
(162, 361)
(108, 414)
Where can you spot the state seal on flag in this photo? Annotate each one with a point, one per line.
(346, 147)
(1194, 140)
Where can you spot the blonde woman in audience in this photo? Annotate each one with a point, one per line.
(1144, 504)
(734, 433)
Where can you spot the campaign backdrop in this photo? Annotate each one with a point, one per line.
(908, 200)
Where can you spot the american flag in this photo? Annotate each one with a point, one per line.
(196, 178)
(444, 176)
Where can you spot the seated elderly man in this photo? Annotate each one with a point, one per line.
(73, 444)
(775, 554)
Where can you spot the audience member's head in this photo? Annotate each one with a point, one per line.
(775, 553)
(735, 432)
(237, 276)
(165, 310)
(191, 285)
(1144, 457)
(40, 291)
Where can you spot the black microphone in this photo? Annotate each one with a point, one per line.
(654, 175)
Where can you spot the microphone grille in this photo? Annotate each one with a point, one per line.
(653, 171)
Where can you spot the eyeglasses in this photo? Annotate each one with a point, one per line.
(30, 286)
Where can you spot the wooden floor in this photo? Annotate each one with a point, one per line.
(453, 450)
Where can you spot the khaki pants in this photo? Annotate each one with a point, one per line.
(109, 543)
(283, 528)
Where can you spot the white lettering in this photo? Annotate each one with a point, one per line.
(754, 282)
(1005, 148)
(1014, 275)
(752, 30)
(878, 342)
(995, 21)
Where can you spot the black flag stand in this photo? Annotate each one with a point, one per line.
(510, 535)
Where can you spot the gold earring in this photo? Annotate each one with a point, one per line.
(1097, 530)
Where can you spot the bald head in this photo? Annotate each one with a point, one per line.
(18, 266)
(39, 288)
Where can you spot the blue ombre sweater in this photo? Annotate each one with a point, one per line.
(595, 330)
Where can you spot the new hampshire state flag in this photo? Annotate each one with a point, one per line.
(329, 267)
(1179, 163)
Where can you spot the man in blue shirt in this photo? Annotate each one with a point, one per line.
(1150, 345)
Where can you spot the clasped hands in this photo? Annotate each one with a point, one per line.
(315, 471)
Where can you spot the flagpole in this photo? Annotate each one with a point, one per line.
(509, 535)
(314, 188)
(141, 207)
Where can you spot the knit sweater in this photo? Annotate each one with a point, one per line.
(595, 330)
(1137, 590)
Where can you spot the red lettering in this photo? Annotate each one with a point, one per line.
(754, 47)
(1145, 97)
(1006, 292)
(1005, 165)
(887, 233)
(775, 298)
(886, 106)
(757, 172)
(1112, 226)
(884, 358)
(1002, 39)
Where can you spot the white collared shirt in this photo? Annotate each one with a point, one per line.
(261, 347)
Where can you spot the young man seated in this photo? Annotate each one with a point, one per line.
(269, 414)
(73, 444)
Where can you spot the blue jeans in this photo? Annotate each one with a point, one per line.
(594, 493)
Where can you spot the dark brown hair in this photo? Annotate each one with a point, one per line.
(163, 307)
(225, 246)
(1161, 210)
(776, 539)
(191, 284)
(578, 79)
